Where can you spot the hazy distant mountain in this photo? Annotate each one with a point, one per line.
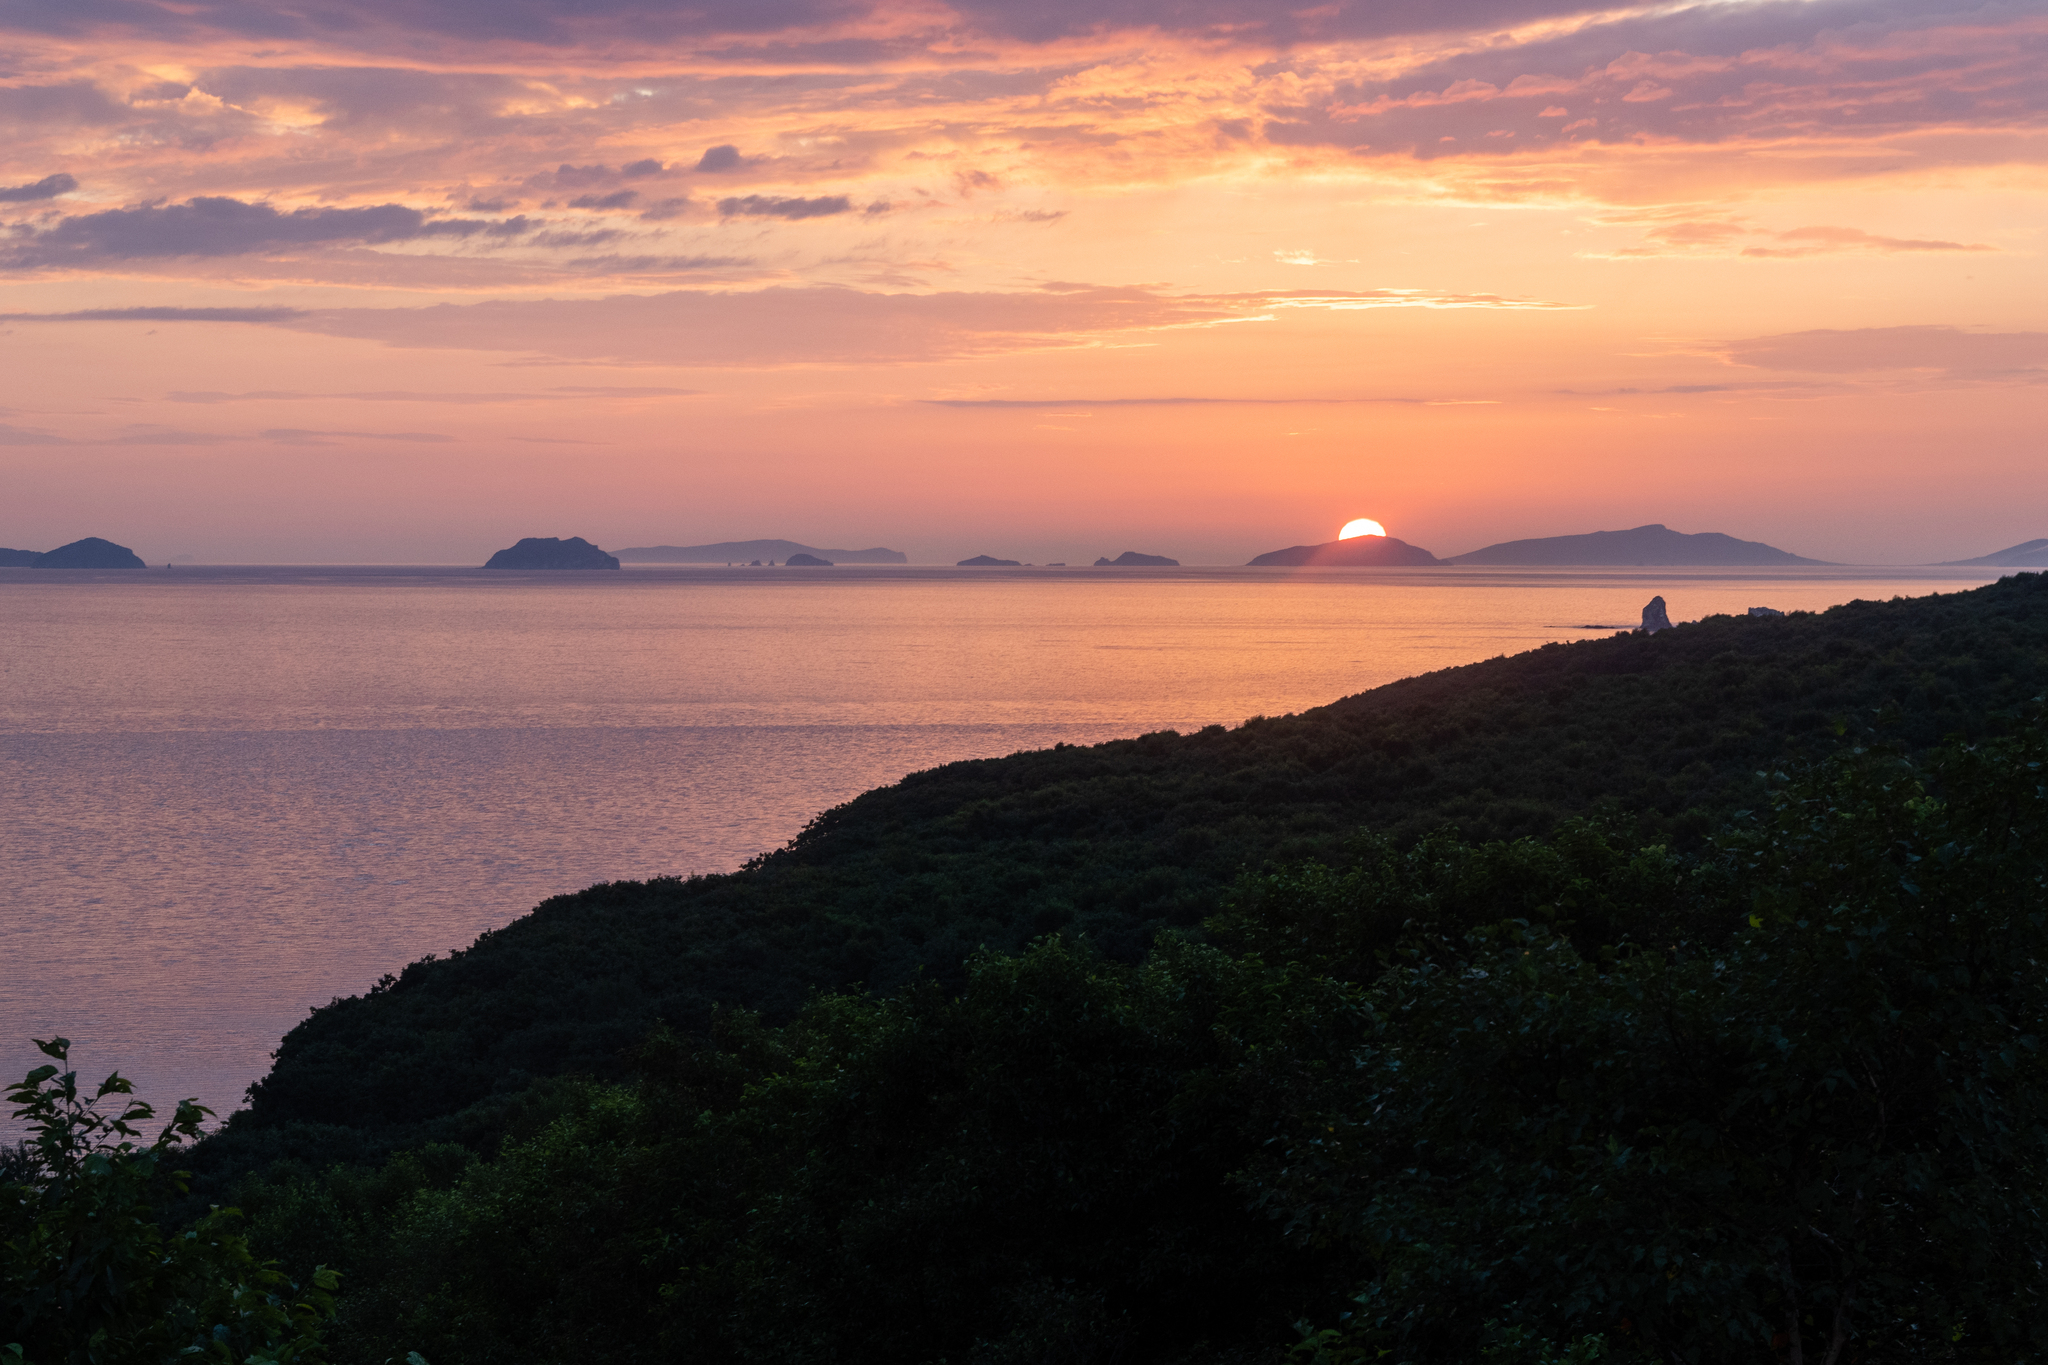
(1131, 559)
(90, 553)
(547, 552)
(741, 551)
(2032, 554)
(19, 559)
(1359, 551)
(1645, 545)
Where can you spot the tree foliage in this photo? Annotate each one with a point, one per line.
(1536, 1102)
(89, 1275)
(1033, 1168)
(1827, 1136)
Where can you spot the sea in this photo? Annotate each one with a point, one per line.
(228, 795)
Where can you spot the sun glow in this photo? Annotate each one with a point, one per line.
(1364, 526)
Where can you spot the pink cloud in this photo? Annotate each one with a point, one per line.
(1950, 351)
(1815, 241)
(779, 327)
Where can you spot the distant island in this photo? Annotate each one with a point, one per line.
(800, 560)
(1131, 559)
(746, 551)
(548, 552)
(2031, 554)
(90, 553)
(1645, 545)
(1357, 552)
(988, 562)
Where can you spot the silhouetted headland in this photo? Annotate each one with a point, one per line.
(549, 552)
(2031, 554)
(1357, 552)
(1659, 545)
(746, 551)
(1131, 559)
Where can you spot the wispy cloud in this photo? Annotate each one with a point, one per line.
(784, 326)
(1406, 298)
(1820, 241)
(787, 326)
(11, 435)
(1680, 232)
(1032, 404)
(160, 434)
(557, 394)
(1951, 353)
(297, 436)
(154, 314)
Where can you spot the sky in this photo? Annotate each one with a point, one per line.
(372, 281)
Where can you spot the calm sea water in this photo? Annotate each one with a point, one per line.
(229, 795)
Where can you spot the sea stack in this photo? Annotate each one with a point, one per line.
(549, 552)
(1654, 617)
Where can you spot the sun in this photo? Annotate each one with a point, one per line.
(1364, 526)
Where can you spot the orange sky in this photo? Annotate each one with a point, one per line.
(385, 281)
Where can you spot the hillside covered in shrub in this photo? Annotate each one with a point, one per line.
(1540, 1102)
(1116, 842)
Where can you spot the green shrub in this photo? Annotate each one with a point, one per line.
(88, 1273)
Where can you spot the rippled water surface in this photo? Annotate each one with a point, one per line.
(228, 795)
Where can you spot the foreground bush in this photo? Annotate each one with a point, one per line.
(88, 1273)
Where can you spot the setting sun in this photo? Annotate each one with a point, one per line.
(1364, 526)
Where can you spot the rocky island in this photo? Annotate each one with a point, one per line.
(748, 551)
(800, 560)
(1357, 552)
(1645, 545)
(549, 552)
(90, 553)
(988, 562)
(2030, 554)
(1131, 559)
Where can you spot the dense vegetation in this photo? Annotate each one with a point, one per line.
(1646, 1083)
(1119, 841)
(1783, 1100)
